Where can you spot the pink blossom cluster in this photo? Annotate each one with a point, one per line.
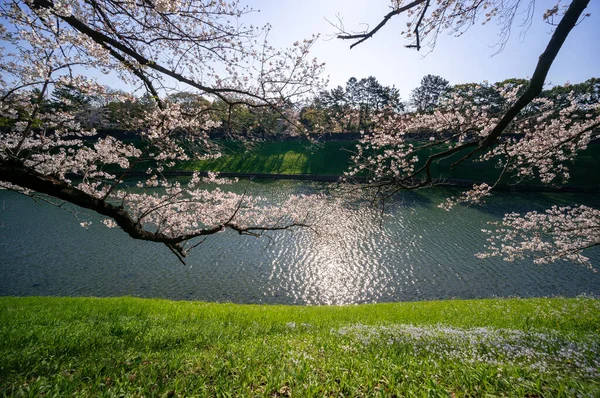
(541, 142)
(154, 47)
(559, 233)
(474, 195)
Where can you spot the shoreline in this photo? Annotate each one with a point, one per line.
(459, 183)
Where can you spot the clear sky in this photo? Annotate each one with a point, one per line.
(469, 58)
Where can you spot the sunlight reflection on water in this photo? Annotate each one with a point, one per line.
(416, 252)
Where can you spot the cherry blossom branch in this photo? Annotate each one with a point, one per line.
(51, 147)
(229, 95)
(416, 31)
(560, 233)
(536, 84)
(361, 37)
(14, 173)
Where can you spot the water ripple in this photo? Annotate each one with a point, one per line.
(415, 252)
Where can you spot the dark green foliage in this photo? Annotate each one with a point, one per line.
(333, 158)
(426, 97)
(350, 109)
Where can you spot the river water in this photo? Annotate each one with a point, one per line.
(416, 252)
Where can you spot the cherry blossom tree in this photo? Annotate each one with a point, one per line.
(156, 48)
(526, 134)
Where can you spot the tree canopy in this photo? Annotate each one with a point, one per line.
(427, 96)
(197, 67)
(528, 132)
(53, 47)
(350, 108)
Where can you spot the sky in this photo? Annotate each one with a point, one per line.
(472, 57)
(468, 58)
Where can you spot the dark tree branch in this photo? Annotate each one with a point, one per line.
(361, 37)
(568, 22)
(15, 173)
(536, 84)
(416, 31)
(107, 41)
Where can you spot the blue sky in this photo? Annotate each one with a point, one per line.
(469, 58)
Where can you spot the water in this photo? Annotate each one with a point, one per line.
(417, 252)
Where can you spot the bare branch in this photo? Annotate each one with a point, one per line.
(361, 37)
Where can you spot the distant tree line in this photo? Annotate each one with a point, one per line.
(351, 108)
(117, 110)
(360, 106)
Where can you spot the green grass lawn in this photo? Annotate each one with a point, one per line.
(280, 157)
(141, 347)
(333, 158)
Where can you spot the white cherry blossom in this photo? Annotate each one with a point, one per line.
(153, 47)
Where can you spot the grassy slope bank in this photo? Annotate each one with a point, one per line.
(281, 157)
(135, 347)
(333, 158)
